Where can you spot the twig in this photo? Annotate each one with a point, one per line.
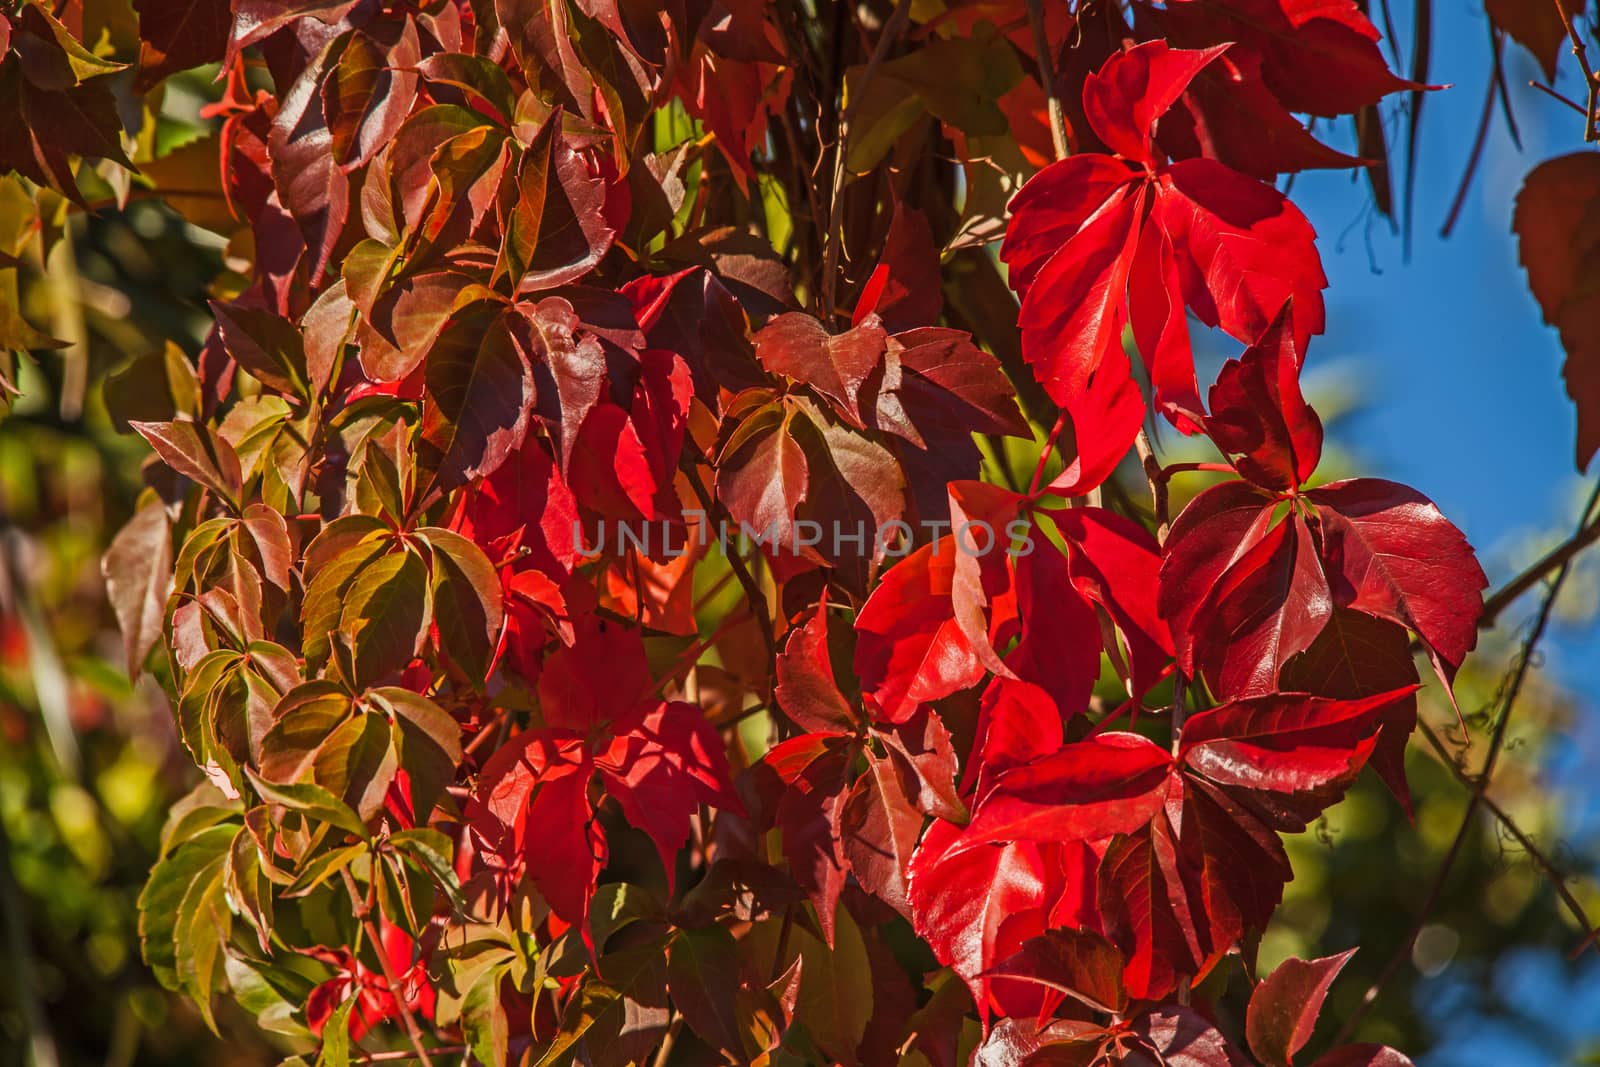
(1591, 131)
(364, 914)
(1507, 702)
(664, 1050)
(834, 237)
(1552, 94)
(1559, 556)
(1557, 880)
(1157, 477)
(1047, 80)
(758, 600)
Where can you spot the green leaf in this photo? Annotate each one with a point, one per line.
(312, 801)
(835, 998)
(617, 1020)
(170, 882)
(387, 609)
(336, 1037)
(703, 978)
(466, 600)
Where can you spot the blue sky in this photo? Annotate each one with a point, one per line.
(1460, 377)
(1462, 397)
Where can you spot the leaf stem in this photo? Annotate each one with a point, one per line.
(1047, 80)
(364, 914)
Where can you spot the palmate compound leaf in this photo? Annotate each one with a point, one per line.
(1246, 589)
(1239, 250)
(1174, 859)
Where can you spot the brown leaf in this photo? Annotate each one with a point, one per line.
(138, 572)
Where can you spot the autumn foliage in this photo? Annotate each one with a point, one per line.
(493, 559)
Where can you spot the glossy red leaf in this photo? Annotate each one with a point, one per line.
(1390, 553)
(975, 906)
(1259, 414)
(909, 648)
(1125, 97)
(1110, 784)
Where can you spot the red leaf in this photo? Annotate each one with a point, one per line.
(1105, 417)
(1208, 537)
(815, 768)
(600, 680)
(1267, 606)
(1536, 27)
(762, 474)
(1357, 655)
(878, 829)
(909, 648)
(1259, 414)
(1284, 1006)
(1110, 784)
(797, 346)
(479, 393)
(1243, 250)
(1182, 1037)
(1390, 553)
(905, 289)
(531, 815)
(1125, 97)
(310, 182)
(948, 388)
(177, 36)
(663, 770)
(1230, 115)
(975, 906)
(1318, 56)
(1079, 963)
(1286, 743)
(807, 693)
(1115, 564)
(1018, 722)
(1145, 909)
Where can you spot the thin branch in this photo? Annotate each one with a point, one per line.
(1156, 475)
(1591, 122)
(1047, 79)
(835, 237)
(1507, 702)
(364, 914)
(1558, 881)
(1552, 94)
(752, 591)
(1557, 557)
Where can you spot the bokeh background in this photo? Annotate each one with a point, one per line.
(1435, 371)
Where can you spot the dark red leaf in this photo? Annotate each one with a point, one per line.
(1285, 1005)
(1259, 414)
(1390, 553)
